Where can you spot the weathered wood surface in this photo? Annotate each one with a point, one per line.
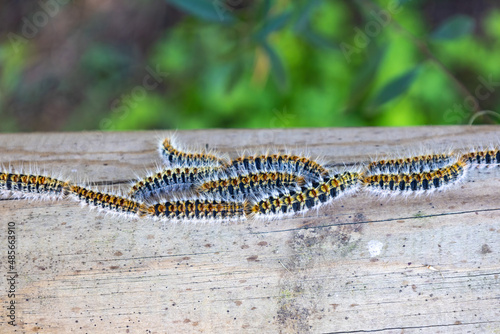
(437, 269)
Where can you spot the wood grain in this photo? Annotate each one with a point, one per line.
(437, 270)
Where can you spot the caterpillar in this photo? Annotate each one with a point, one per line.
(257, 186)
(482, 158)
(34, 186)
(172, 179)
(250, 184)
(40, 186)
(195, 209)
(308, 197)
(178, 158)
(389, 183)
(415, 164)
(283, 163)
(105, 201)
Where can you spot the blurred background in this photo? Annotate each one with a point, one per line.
(188, 64)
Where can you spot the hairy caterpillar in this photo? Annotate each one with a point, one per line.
(415, 164)
(170, 180)
(178, 158)
(274, 184)
(32, 185)
(250, 184)
(387, 183)
(308, 197)
(105, 201)
(196, 209)
(483, 158)
(282, 163)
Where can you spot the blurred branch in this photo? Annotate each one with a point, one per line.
(424, 49)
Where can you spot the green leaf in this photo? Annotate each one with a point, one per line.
(277, 67)
(396, 87)
(264, 9)
(364, 78)
(208, 10)
(235, 75)
(271, 25)
(455, 27)
(317, 40)
(303, 20)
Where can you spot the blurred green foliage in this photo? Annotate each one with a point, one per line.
(270, 64)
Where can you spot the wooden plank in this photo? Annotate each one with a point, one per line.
(362, 264)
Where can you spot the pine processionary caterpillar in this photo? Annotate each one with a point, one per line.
(483, 158)
(277, 184)
(283, 163)
(415, 182)
(415, 164)
(172, 179)
(250, 185)
(310, 196)
(196, 209)
(39, 186)
(32, 185)
(105, 201)
(177, 158)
